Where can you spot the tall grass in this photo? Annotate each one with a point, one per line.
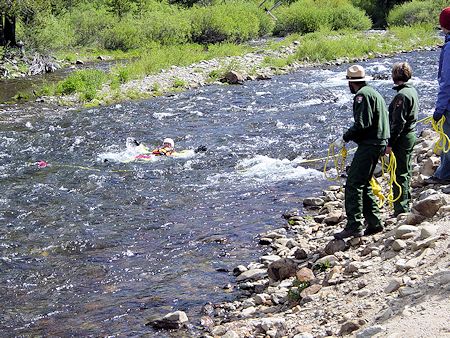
(159, 57)
(326, 46)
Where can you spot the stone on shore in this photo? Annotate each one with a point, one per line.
(170, 321)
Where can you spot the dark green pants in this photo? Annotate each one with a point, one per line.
(402, 149)
(360, 202)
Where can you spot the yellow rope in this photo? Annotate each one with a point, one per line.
(443, 144)
(340, 166)
(377, 191)
(391, 169)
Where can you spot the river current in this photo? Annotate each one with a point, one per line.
(94, 248)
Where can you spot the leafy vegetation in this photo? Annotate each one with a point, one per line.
(296, 289)
(157, 34)
(416, 12)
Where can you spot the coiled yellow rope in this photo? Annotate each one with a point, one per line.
(443, 143)
(391, 169)
(377, 191)
(339, 165)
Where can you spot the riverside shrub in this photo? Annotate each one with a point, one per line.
(416, 12)
(86, 82)
(124, 35)
(307, 16)
(233, 22)
(166, 28)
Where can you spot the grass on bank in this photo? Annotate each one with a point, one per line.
(325, 46)
(314, 47)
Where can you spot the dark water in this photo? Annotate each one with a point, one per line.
(26, 85)
(93, 249)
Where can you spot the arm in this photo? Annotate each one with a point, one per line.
(361, 112)
(443, 97)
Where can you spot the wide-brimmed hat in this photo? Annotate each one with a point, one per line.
(356, 73)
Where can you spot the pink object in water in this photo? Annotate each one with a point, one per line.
(42, 164)
(143, 156)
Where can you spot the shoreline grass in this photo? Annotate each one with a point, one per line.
(312, 48)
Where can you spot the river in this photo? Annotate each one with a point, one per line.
(93, 248)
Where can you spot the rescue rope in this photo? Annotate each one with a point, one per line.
(44, 164)
(443, 143)
(391, 168)
(339, 165)
(377, 191)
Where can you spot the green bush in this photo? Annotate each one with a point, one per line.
(307, 16)
(166, 28)
(233, 22)
(89, 24)
(47, 32)
(123, 35)
(416, 12)
(85, 82)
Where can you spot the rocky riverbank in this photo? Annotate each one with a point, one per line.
(392, 284)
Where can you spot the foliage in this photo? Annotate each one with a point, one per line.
(322, 266)
(306, 16)
(85, 82)
(325, 46)
(167, 29)
(297, 288)
(377, 10)
(234, 22)
(415, 12)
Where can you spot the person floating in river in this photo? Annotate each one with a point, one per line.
(370, 131)
(166, 149)
(403, 112)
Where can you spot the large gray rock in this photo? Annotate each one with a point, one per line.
(430, 205)
(253, 274)
(370, 331)
(334, 246)
(170, 321)
(405, 231)
(233, 77)
(313, 202)
(282, 269)
(334, 217)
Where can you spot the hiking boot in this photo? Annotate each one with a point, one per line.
(372, 231)
(346, 233)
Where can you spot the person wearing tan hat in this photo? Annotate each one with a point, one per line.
(370, 131)
(403, 112)
(442, 174)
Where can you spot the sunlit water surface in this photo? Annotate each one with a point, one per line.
(95, 248)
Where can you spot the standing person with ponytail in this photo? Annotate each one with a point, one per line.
(403, 112)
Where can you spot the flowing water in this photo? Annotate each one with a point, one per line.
(93, 248)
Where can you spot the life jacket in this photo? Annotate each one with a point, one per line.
(163, 151)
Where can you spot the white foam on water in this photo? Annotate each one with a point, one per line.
(196, 112)
(262, 93)
(161, 116)
(264, 169)
(281, 125)
(125, 155)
